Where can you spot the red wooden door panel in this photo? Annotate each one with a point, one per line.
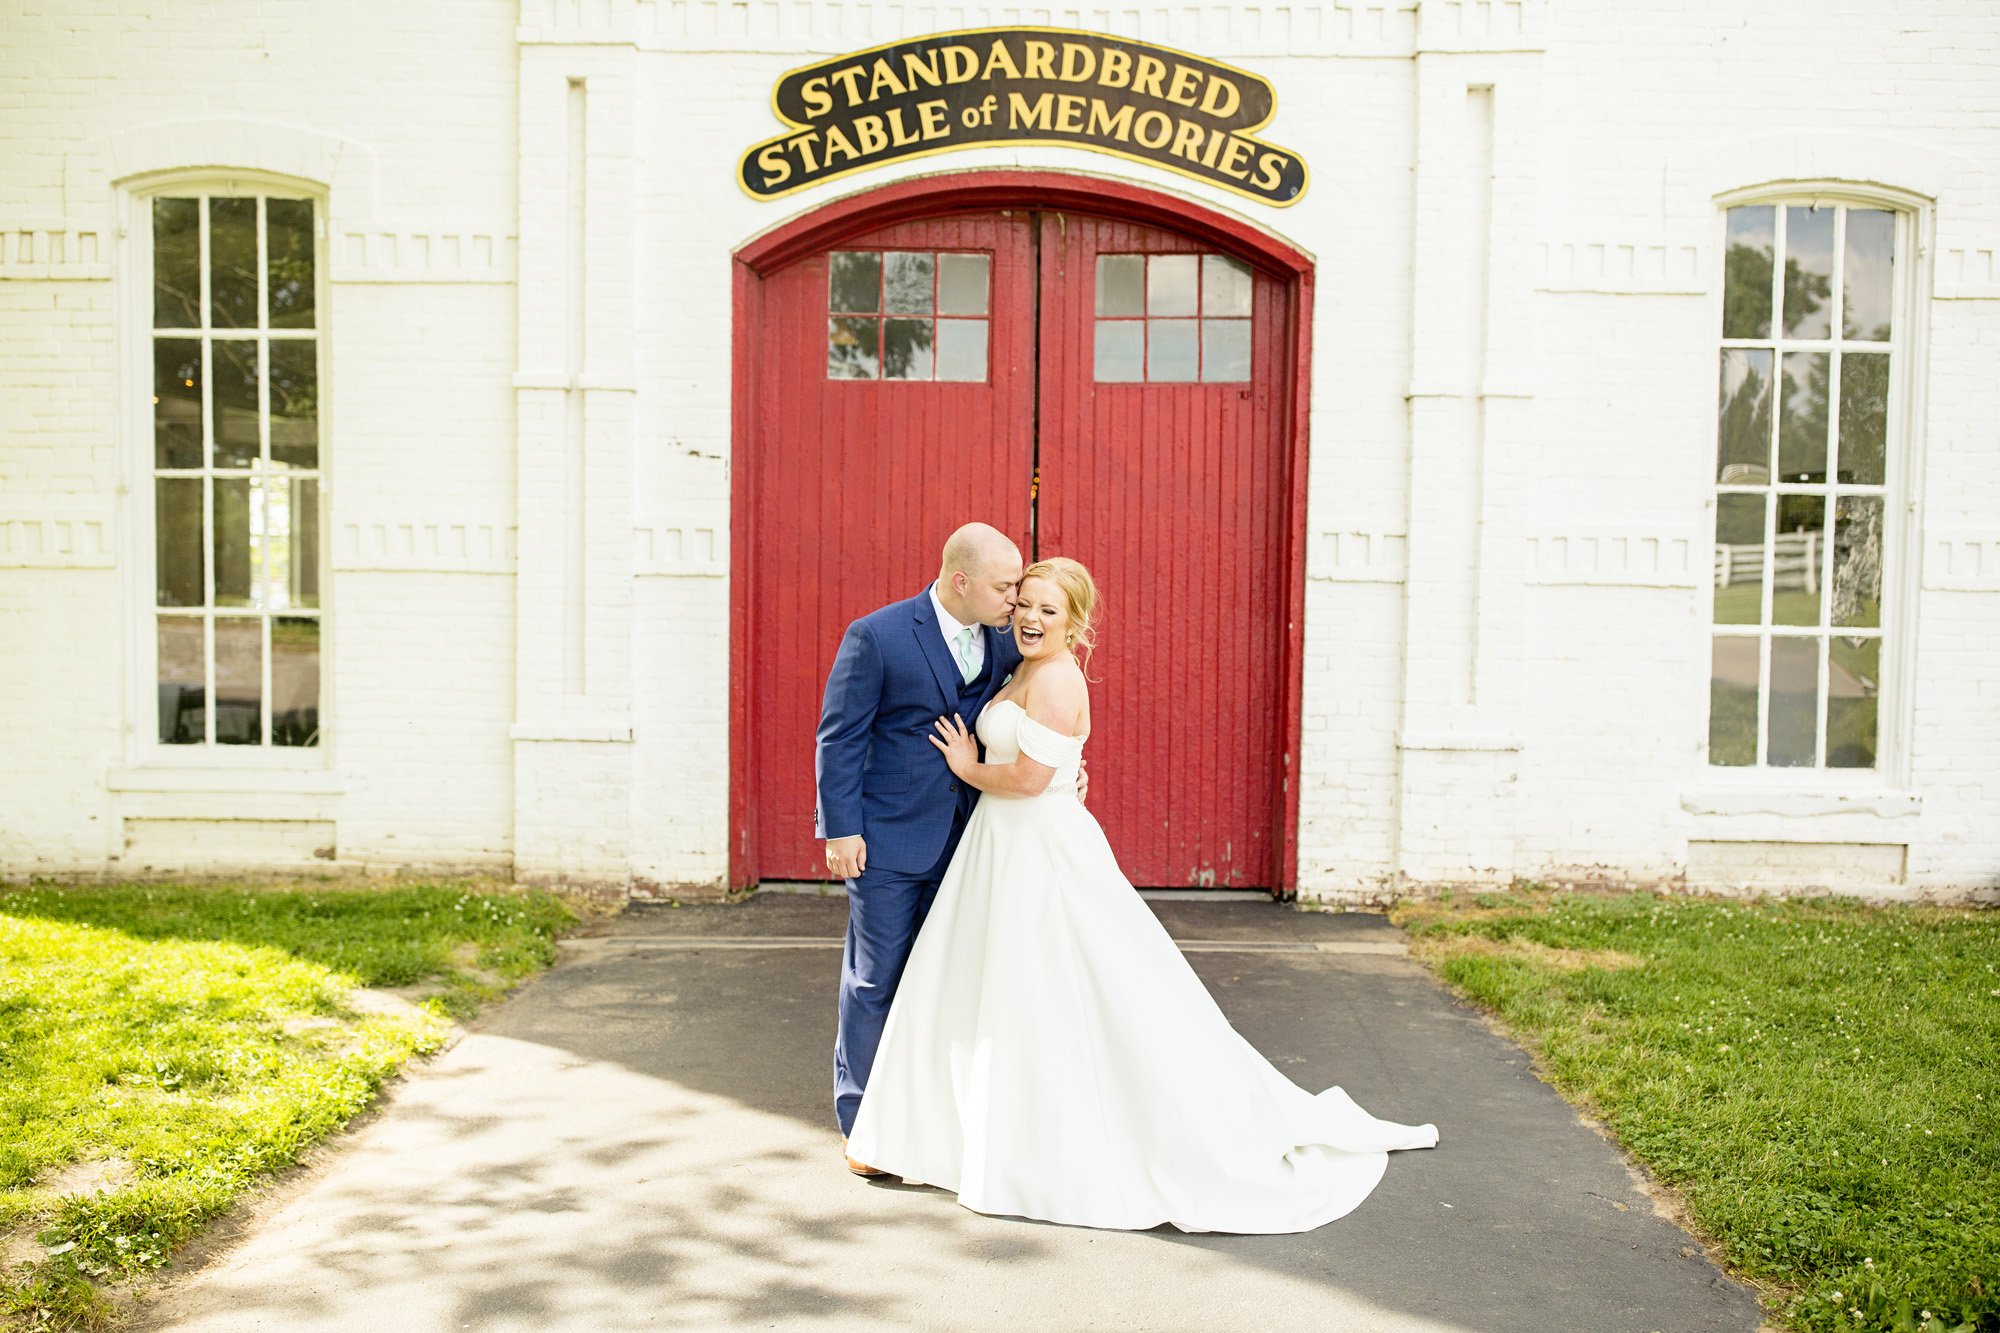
(855, 485)
(1173, 494)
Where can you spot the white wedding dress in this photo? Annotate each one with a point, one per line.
(1050, 1054)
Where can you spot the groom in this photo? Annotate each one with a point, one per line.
(889, 808)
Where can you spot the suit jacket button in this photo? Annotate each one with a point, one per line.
(953, 786)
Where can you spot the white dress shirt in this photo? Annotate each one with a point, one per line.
(951, 627)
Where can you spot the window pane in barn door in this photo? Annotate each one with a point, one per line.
(962, 286)
(1170, 350)
(1225, 286)
(1121, 285)
(908, 283)
(1225, 350)
(906, 349)
(854, 282)
(961, 349)
(1121, 351)
(852, 349)
(1171, 284)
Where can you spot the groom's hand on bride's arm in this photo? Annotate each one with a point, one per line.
(847, 857)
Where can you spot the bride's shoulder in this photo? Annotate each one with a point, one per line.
(1058, 696)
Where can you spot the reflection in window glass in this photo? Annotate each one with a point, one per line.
(294, 682)
(234, 365)
(1744, 425)
(177, 539)
(1853, 673)
(1746, 277)
(288, 251)
(908, 283)
(239, 680)
(177, 402)
(295, 404)
(1802, 418)
(176, 263)
(1225, 350)
(880, 307)
(1867, 277)
(232, 263)
(1792, 735)
(854, 282)
(1798, 606)
(181, 651)
(1864, 417)
(1121, 285)
(1225, 286)
(1172, 284)
(853, 348)
(906, 349)
(1732, 701)
(1808, 291)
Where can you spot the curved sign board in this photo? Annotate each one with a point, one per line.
(1024, 85)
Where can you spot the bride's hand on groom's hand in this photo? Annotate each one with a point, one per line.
(960, 751)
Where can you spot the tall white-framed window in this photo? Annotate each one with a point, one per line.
(232, 355)
(1815, 348)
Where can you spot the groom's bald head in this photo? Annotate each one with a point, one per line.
(978, 574)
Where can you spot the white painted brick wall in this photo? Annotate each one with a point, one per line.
(1614, 127)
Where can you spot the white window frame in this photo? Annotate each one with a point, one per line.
(143, 748)
(1902, 487)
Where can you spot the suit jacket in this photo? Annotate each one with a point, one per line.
(877, 771)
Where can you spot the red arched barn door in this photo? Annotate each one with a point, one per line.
(917, 358)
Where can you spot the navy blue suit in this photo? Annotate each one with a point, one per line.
(879, 776)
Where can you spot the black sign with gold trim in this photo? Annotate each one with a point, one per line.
(1024, 85)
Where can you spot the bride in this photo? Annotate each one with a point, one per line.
(1049, 1053)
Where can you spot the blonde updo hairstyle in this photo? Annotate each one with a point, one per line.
(1079, 594)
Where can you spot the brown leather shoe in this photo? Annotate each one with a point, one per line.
(860, 1168)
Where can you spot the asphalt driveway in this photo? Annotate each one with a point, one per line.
(643, 1138)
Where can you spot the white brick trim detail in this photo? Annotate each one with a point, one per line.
(1963, 562)
(84, 537)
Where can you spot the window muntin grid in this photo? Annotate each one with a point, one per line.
(908, 315)
(1172, 319)
(236, 469)
(1809, 344)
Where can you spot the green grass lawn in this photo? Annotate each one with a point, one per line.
(181, 1042)
(1820, 1080)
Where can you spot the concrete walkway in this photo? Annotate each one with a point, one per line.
(642, 1139)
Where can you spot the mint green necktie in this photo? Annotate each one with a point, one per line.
(964, 651)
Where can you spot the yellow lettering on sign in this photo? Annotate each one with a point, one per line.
(921, 71)
(1109, 124)
(1146, 75)
(868, 129)
(1069, 114)
(1236, 162)
(838, 143)
(1186, 79)
(1117, 69)
(931, 116)
(1001, 59)
(1270, 170)
(850, 80)
(1222, 97)
(883, 79)
(961, 63)
(1022, 116)
(1161, 122)
(818, 101)
(772, 159)
(1187, 141)
(1041, 60)
(1078, 63)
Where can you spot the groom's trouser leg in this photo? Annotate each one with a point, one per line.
(885, 908)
